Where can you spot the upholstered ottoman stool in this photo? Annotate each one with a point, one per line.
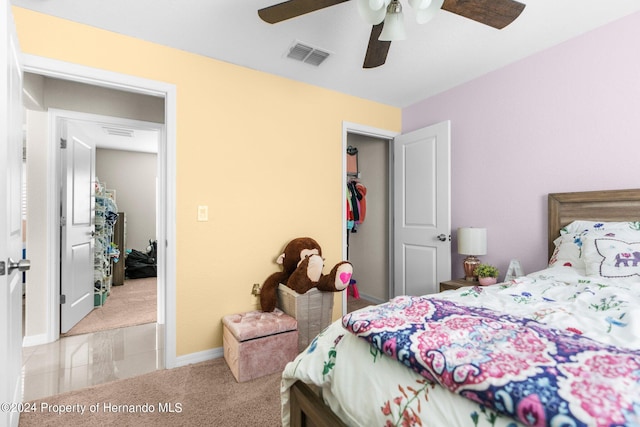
(257, 343)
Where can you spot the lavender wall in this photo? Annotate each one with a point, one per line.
(565, 119)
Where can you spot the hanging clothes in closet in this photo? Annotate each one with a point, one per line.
(356, 205)
(356, 192)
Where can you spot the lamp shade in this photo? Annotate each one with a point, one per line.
(419, 4)
(372, 12)
(424, 15)
(472, 241)
(393, 28)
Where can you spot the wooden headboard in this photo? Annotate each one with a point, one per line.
(611, 205)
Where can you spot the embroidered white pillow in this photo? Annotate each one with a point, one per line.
(569, 246)
(612, 257)
(581, 226)
(567, 252)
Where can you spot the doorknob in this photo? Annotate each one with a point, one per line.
(442, 237)
(22, 265)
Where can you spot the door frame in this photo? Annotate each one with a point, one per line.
(360, 129)
(166, 212)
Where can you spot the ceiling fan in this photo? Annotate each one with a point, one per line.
(494, 13)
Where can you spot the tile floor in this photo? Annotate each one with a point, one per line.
(84, 360)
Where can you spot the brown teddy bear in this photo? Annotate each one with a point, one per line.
(302, 264)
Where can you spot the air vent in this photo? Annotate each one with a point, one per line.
(307, 54)
(118, 131)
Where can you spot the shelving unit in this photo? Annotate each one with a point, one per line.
(105, 250)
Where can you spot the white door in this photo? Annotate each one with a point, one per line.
(422, 210)
(11, 263)
(77, 220)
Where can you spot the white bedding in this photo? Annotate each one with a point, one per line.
(366, 388)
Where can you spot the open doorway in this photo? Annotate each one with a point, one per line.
(124, 228)
(368, 239)
(49, 272)
(419, 207)
(368, 201)
(44, 96)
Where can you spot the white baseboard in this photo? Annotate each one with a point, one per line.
(201, 356)
(31, 340)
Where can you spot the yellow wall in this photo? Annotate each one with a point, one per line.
(263, 152)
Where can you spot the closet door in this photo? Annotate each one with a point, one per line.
(422, 210)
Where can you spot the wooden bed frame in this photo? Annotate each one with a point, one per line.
(612, 205)
(307, 407)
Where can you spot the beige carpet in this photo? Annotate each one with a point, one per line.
(354, 304)
(133, 303)
(203, 394)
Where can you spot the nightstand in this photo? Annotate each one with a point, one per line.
(455, 284)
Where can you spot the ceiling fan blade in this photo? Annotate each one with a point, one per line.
(292, 8)
(495, 13)
(377, 50)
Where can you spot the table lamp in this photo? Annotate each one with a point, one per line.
(471, 242)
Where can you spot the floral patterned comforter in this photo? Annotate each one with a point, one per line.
(572, 359)
(519, 367)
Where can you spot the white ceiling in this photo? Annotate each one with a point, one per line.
(439, 55)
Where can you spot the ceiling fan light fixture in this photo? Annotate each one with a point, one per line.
(419, 4)
(387, 22)
(425, 15)
(393, 28)
(371, 15)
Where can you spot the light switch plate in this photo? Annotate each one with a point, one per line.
(203, 213)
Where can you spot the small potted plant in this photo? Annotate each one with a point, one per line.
(487, 274)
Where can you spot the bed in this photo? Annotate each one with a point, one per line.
(556, 347)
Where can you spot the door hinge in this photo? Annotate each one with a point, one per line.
(63, 299)
(2, 268)
(63, 143)
(63, 221)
